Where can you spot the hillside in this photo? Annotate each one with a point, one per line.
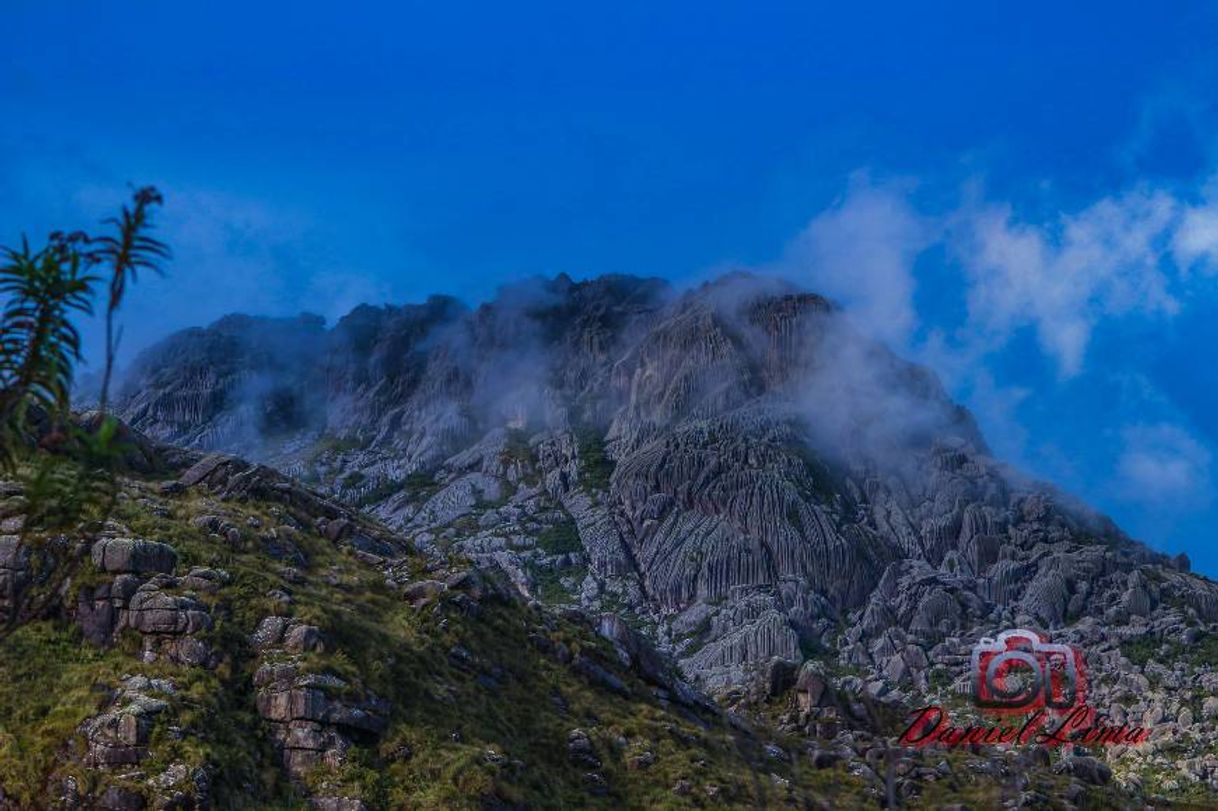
(231, 639)
(734, 472)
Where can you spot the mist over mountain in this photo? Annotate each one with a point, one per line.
(733, 467)
(312, 498)
(588, 544)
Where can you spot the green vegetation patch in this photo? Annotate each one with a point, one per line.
(353, 479)
(595, 466)
(516, 447)
(51, 680)
(561, 538)
(330, 444)
(1145, 649)
(380, 491)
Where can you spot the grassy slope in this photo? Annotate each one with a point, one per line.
(487, 732)
(491, 732)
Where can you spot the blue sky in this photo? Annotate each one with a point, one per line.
(1021, 196)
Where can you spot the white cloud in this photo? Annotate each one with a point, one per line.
(1061, 276)
(1065, 276)
(860, 253)
(1163, 464)
(1195, 244)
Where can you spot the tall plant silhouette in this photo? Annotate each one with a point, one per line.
(124, 254)
(39, 343)
(70, 469)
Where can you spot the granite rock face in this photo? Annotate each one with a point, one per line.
(735, 466)
(119, 736)
(133, 556)
(309, 726)
(227, 672)
(14, 574)
(163, 609)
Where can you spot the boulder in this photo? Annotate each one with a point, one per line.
(152, 611)
(303, 638)
(310, 725)
(810, 687)
(119, 736)
(1085, 768)
(269, 632)
(580, 750)
(133, 555)
(422, 592)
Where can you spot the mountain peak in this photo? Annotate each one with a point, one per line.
(737, 453)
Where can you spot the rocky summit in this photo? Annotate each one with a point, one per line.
(591, 543)
(734, 470)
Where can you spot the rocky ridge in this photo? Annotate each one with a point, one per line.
(733, 472)
(183, 656)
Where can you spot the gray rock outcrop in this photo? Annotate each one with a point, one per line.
(133, 556)
(735, 465)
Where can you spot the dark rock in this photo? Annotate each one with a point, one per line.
(117, 798)
(469, 582)
(203, 579)
(635, 651)
(599, 676)
(595, 784)
(364, 543)
(421, 592)
(1085, 768)
(643, 760)
(187, 651)
(269, 632)
(580, 750)
(119, 736)
(281, 547)
(303, 638)
(825, 758)
(338, 529)
(779, 676)
(96, 615)
(14, 574)
(310, 724)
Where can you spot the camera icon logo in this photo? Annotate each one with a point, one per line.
(1022, 671)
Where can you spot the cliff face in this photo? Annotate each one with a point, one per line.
(231, 639)
(734, 469)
